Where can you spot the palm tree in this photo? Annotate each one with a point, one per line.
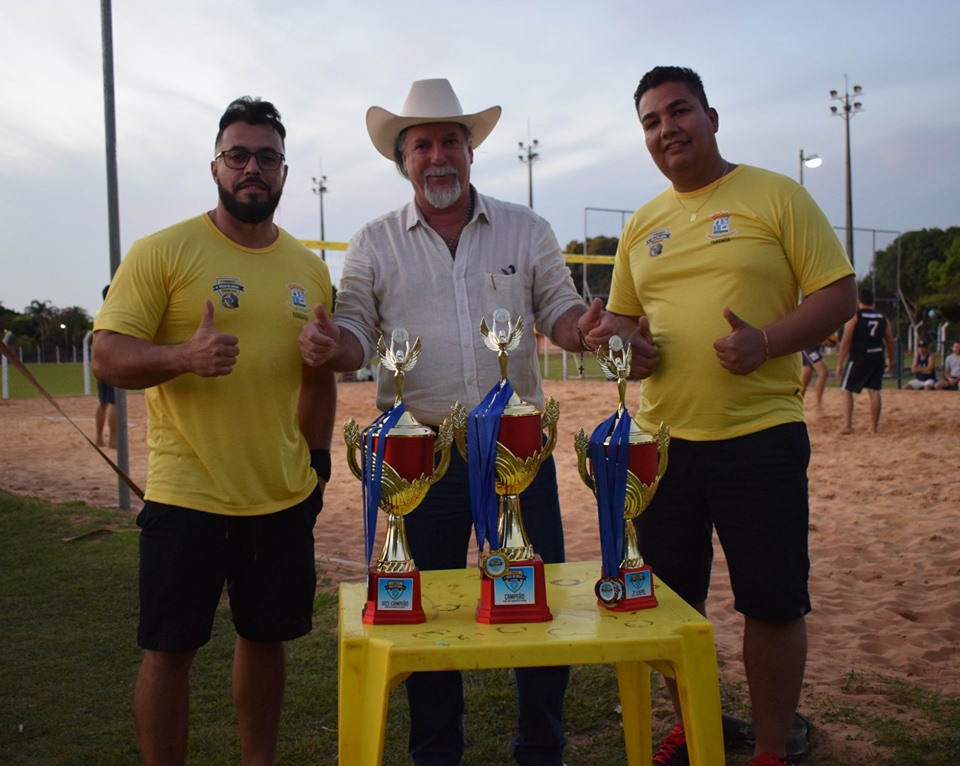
(43, 314)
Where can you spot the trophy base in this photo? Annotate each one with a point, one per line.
(519, 595)
(393, 599)
(638, 591)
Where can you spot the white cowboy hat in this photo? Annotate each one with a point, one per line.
(428, 101)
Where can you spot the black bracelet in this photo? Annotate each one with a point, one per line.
(320, 462)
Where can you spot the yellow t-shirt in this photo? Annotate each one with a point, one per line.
(230, 445)
(758, 242)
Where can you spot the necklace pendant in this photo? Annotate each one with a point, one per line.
(693, 216)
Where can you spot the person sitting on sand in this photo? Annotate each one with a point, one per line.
(923, 369)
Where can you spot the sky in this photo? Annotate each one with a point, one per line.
(564, 73)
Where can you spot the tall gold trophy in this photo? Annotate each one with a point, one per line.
(625, 468)
(397, 470)
(502, 442)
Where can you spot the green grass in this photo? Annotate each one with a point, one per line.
(59, 379)
(68, 660)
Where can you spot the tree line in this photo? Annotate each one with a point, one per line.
(42, 328)
(919, 270)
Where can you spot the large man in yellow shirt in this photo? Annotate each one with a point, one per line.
(706, 281)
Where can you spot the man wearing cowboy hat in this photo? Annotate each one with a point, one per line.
(435, 267)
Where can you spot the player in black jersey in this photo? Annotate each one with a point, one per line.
(862, 349)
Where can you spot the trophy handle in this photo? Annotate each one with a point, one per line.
(459, 416)
(351, 435)
(443, 445)
(549, 420)
(663, 442)
(582, 445)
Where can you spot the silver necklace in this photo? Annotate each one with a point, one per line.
(455, 239)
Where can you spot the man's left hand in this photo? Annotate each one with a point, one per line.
(744, 349)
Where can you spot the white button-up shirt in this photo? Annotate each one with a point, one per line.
(398, 272)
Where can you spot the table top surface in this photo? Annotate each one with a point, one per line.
(449, 599)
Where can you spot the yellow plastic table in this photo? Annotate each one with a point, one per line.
(671, 637)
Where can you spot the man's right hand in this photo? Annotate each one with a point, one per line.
(209, 353)
(319, 338)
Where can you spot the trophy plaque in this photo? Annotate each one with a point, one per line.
(397, 469)
(625, 467)
(503, 445)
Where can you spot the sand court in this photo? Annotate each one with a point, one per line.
(884, 528)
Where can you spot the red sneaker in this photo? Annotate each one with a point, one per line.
(768, 759)
(673, 749)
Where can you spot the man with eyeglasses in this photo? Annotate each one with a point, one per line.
(239, 441)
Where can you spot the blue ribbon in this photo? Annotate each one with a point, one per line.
(610, 477)
(372, 470)
(483, 428)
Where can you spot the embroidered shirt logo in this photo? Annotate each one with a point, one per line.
(298, 300)
(229, 289)
(721, 230)
(656, 241)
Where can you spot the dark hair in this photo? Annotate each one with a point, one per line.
(661, 74)
(252, 111)
(866, 296)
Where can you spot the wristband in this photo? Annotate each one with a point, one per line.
(320, 462)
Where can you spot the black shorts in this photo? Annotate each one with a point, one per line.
(105, 393)
(811, 356)
(753, 491)
(863, 372)
(266, 562)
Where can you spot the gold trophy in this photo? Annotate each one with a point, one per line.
(502, 442)
(633, 463)
(397, 471)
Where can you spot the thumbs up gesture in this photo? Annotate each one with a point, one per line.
(744, 349)
(211, 353)
(319, 338)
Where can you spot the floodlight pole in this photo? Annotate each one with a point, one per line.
(113, 222)
(848, 110)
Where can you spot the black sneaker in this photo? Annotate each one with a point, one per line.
(798, 741)
(673, 749)
(736, 732)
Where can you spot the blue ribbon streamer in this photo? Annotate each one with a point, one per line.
(610, 477)
(483, 428)
(372, 470)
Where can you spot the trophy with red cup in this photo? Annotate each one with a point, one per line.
(502, 442)
(625, 467)
(398, 468)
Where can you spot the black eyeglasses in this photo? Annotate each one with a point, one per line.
(237, 159)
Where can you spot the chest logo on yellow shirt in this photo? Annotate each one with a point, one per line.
(298, 300)
(656, 240)
(229, 289)
(721, 229)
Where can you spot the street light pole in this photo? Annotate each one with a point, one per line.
(320, 188)
(846, 112)
(530, 154)
(810, 161)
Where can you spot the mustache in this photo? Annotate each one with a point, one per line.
(251, 182)
(446, 170)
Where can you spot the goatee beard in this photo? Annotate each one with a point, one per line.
(441, 198)
(249, 212)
